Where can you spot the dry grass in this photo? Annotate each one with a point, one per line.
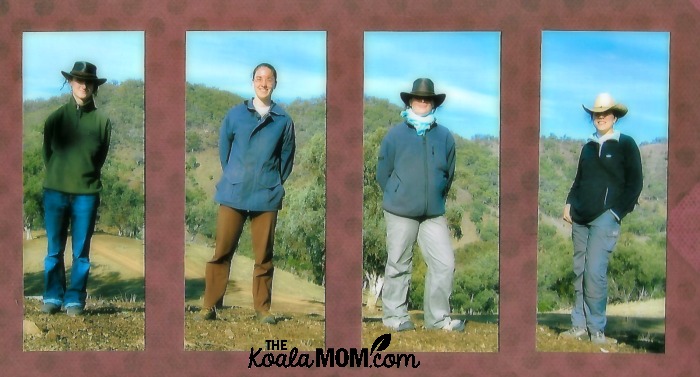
(236, 329)
(105, 326)
(480, 335)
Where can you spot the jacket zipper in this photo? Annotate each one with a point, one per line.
(600, 154)
(425, 167)
(605, 199)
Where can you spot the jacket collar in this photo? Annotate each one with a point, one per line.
(85, 108)
(273, 107)
(615, 135)
(432, 125)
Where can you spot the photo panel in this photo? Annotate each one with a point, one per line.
(250, 163)
(431, 176)
(83, 190)
(601, 278)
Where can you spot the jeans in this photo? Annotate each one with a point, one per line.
(60, 210)
(435, 244)
(593, 244)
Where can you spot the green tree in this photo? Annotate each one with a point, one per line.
(32, 179)
(300, 239)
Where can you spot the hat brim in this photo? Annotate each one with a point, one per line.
(618, 109)
(437, 98)
(96, 80)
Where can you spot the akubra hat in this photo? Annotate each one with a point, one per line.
(604, 102)
(85, 71)
(423, 87)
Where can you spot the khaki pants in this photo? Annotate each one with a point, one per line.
(229, 226)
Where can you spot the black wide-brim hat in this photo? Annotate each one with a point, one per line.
(85, 71)
(423, 87)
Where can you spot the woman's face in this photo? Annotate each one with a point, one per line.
(604, 122)
(264, 83)
(421, 105)
(82, 90)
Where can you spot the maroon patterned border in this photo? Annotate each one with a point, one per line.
(520, 22)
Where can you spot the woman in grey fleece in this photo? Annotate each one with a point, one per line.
(415, 170)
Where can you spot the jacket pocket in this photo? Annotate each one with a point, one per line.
(393, 184)
(611, 230)
(269, 176)
(234, 174)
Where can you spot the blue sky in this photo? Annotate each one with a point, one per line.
(463, 65)
(118, 55)
(632, 66)
(225, 60)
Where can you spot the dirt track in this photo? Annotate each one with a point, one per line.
(126, 256)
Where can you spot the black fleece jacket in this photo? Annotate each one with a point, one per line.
(608, 177)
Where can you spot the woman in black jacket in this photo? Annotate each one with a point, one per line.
(606, 188)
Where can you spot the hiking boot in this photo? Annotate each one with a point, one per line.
(455, 325)
(574, 333)
(599, 338)
(208, 314)
(74, 311)
(50, 308)
(266, 318)
(403, 326)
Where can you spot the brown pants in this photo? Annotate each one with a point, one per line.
(229, 226)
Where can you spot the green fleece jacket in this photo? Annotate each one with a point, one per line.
(76, 141)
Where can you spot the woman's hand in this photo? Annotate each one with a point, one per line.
(567, 213)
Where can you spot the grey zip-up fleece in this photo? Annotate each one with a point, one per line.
(416, 172)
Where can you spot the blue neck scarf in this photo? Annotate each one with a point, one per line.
(420, 123)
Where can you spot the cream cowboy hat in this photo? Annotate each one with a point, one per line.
(604, 102)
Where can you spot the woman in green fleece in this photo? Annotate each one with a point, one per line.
(76, 141)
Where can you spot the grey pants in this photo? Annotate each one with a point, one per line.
(593, 243)
(434, 241)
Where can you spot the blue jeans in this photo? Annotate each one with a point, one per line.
(593, 243)
(60, 210)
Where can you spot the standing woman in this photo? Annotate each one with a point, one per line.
(606, 188)
(76, 141)
(256, 149)
(415, 169)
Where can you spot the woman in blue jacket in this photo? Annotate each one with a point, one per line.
(415, 170)
(256, 149)
(606, 188)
